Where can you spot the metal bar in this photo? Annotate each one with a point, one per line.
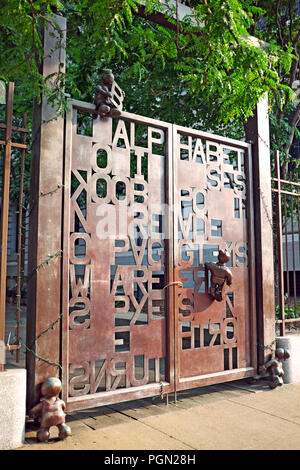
(287, 255)
(175, 263)
(280, 246)
(13, 347)
(298, 212)
(15, 129)
(288, 320)
(14, 144)
(215, 378)
(293, 252)
(252, 267)
(5, 207)
(286, 181)
(169, 293)
(215, 137)
(19, 243)
(285, 192)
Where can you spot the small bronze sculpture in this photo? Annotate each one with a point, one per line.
(274, 366)
(104, 97)
(51, 410)
(220, 275)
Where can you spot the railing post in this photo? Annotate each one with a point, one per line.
(19, 239)
(44, 260)
(257, 133)
(280, 247)
(5, 207)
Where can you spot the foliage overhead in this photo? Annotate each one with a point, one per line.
(203, 71)
(208, 53)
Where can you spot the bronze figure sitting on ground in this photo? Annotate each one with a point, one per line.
(103, 97)
(51, 410)
(274, 367)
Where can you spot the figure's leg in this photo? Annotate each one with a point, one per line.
(276, 381)
(114, 112)
(43, 434)
(64, 430)
(104, 110)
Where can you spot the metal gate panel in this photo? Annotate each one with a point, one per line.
(146, 205)
(215, 340)
(116, 344)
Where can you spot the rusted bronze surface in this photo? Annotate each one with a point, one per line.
(20, 263)
(220, 275)
(45, 238)
(51, 410)
(273, 368)
(137, 205)
(116, 328)
(257, 133)
(105, 97)
(213, 212)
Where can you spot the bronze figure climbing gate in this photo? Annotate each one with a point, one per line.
(148, 208)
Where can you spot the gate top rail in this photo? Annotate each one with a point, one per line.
(89, 108)
(215, 137)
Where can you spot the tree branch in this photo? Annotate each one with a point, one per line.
(293, 123)
(278, 21)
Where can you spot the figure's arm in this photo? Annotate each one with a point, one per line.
(103, 92)
(229, 280)
(36, 410)
(269, 363)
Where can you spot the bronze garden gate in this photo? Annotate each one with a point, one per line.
(146, 205)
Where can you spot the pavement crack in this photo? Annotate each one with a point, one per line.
(263, 411)
(123, 413)
(91, 427)
(155, 429)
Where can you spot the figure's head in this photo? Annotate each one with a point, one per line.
(51, 387)
(286, 354)
(108, 77)
(281, 353)
(223, 256)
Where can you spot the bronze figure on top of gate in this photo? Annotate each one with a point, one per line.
(108, 97)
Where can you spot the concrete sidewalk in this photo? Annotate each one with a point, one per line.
(230, 416)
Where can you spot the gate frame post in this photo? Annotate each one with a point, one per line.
(45, 238)
(257, 133)
(5, 211)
